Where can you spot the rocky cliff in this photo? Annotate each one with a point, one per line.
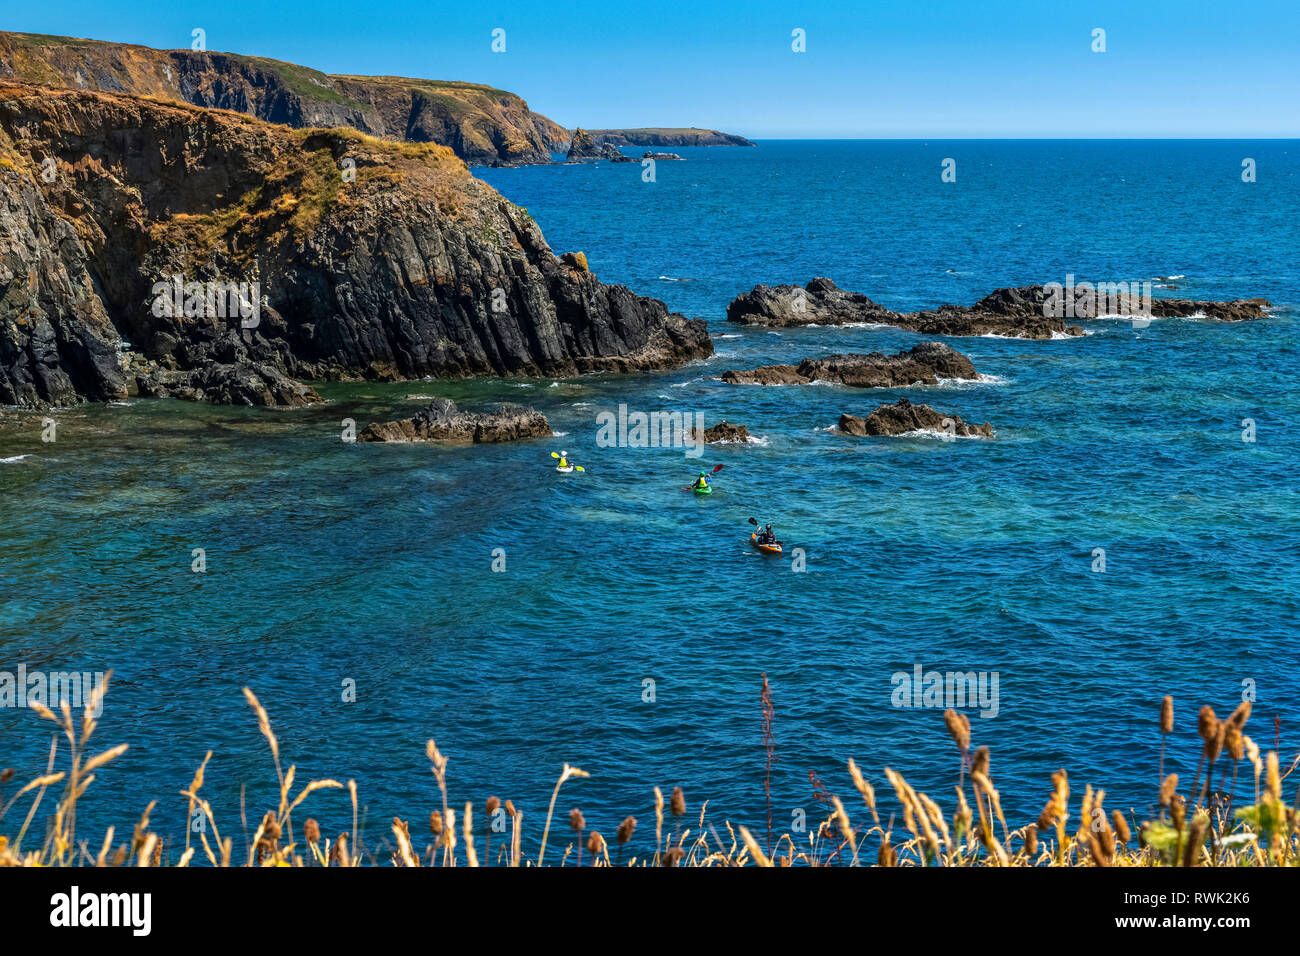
(481, 124)
(161, 248)
(666, 137)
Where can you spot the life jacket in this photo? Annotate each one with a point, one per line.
(701, 482)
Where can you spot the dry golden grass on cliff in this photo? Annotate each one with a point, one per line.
(1188, 827)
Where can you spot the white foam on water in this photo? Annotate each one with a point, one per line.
(14, 460)
(982, 378)
(931, 433)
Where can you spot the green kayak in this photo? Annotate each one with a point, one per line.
(706, 490)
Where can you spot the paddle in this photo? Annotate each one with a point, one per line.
(716, 469)
(575, 467)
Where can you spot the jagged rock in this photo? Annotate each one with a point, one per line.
(242, 384)
(663, 156)
(903, 417)
(57, 343)
(410, 268)
(582, 146)
(482, 124)
(1014, 312)
(925, 364)
(1235, 310)
(821, 302)
(443, 421)
(576, 260)
(723, 432)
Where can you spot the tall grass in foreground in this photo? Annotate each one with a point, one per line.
(1195, 826)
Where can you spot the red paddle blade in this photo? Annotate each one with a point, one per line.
(716, 469)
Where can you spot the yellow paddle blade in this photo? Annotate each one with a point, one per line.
(579, 468)
(554, 455)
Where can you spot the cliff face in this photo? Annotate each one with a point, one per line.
(666, 137)
(481, 124)
(335, 255)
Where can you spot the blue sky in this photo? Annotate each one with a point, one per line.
(904, 68)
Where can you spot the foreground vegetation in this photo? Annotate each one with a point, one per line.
(1188, 826)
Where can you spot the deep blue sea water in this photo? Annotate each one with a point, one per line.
(330, 562)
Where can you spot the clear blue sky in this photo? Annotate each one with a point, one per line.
(904, 68)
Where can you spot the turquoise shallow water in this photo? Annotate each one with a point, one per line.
(329, 562)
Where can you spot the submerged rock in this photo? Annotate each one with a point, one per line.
(241, 384)
(903, 417)
(925, 364)
(1014, 312)
(648, 154)
(443, 421)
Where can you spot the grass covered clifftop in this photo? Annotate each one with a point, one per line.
(479, 123)
(363, 258)
(666, 136)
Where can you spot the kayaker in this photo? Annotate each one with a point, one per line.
(702, 481)
(767, 535)
(564, 459)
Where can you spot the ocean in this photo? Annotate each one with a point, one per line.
(624, 631)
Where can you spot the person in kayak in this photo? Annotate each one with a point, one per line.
(564, 459)
(767, 535)
(701, 482)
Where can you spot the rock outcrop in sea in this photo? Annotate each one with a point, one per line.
(583, 147)
(723, 433)
(161, 248)
(479, 123)
(1017, 312)
(923, 364)
(903, 417)
(443, 421)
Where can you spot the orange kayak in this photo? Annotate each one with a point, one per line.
(765, 548)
